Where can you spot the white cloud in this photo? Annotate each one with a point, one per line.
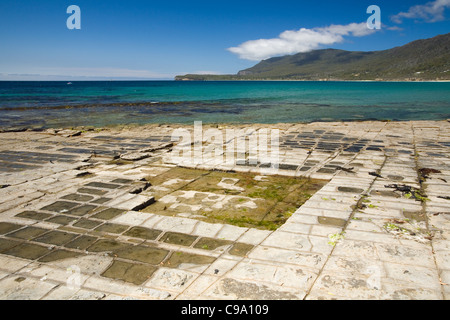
(430, 12)
(393, 28)
(295, 41)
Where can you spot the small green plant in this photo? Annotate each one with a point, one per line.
(421, 198)
(334, 238)
(289, 212)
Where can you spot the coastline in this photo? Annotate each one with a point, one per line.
(213, 125)
(318, 80)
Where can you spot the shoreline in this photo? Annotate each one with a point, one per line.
(299, 80)
(216, 125)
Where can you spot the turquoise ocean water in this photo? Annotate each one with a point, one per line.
(59, 104)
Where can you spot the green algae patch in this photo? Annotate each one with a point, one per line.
(179, 258)
(143, 254)
(143, 233)
(240, 249)
(240, 199)
(59, 255)
(336, 222)
(178, 238)
(129, 272)
(211, 243)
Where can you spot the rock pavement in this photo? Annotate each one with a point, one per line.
(110, 214)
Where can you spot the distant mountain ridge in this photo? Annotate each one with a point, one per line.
(420, 60)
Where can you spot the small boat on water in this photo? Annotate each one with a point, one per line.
(69, 83)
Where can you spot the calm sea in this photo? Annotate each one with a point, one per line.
(59, 104)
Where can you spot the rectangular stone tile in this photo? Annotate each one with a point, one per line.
(176, 224)
(121, 288)
(143, 254)
(6, 244)
(7, 227)
(133, 202)
(324, 231)
(295, 228)
(108, 214)
(27, 233)
(78, 197)
(406, 255)
(61, 219)
(133, 218)
(220, 267)
(33, 215)
(254, 236)
(102, 185)
(27, 251)
(300, 217)
(91, 191)
(422, 277)
(22, 288)
(205, 229)
(370, 236)
(307, 259)
(106, 245)
(201, 284)
(87, 264)
(443, 259)
(51, 273)
(101, 200)
(82, 210)
(300, 242)
(73, 293)
(57, 238)
(213, 244)
(129, 272)
(81, 243)
(289, 276)
(178, 238)
(231, 233)
(171, 279)
(348, 285)
(143, 233)
(11, 264)
(230, 289)
(188, 261)
(112, 228)
(87, 223)
(370, 267)
(240, 249)
(60, 206)
(393, 291)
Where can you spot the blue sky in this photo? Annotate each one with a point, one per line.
(139, 39)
